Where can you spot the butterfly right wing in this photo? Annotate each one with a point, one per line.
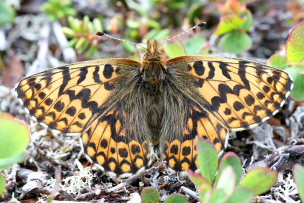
(189, 121)
(71, 97)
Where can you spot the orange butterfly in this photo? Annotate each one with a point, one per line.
(125, 109)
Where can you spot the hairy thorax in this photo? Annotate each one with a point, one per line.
(153, 77)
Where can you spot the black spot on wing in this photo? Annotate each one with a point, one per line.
(59, 106)
(66, 78)
(242, 74)
(174, 149)
(71, 111)
(108, 71)
(198, 67)
(249, 99)
(96, 76)
(123, 152)
(225, 70)
(186, 151)
(238, 105)
(211, 70)
(82, 74)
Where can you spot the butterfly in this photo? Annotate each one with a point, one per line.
(126, 111)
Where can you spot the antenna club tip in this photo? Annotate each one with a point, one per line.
(100, 33)
(201, 24)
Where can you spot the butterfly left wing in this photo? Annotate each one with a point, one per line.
(71, 97)
(116, 146)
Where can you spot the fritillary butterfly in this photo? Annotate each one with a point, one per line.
(125, 109)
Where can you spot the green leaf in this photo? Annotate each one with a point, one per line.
(128, 47)
(249, 20)
(176, 198)
(298, 173)
(58, 9)
(197, 179)
(194, 45)
(295, 44)
(229, 23)
(97, 25)
(226, 181)
(177, 4)
(14, 137)
(204, 51)
(240, 195)
(7, 13)
(84, 46)
(297, 74)
(68, 32)
(260, 180)
(278, 61)
(158, 34)
(207, 159)
(231, 159)
(75, 24)
(235, 42)
(80, 43)
(218, 196)
(72, 43)
(153, 24)
(205, 192)
(6, 115)
(174, 48)
(7, 162)
(91, 51)
(2, 185)
(150, 195)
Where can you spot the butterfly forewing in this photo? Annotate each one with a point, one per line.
(239, 93)
(70, 97)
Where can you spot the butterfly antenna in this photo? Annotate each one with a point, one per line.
(123, 40)
(182, 33)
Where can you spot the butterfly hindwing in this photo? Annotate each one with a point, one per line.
(179, 148)
(71, 97)
(239, 93)
(111, 145)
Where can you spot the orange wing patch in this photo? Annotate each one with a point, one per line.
(68, 97)
(180, 153)
(239, 94)
(108, 144)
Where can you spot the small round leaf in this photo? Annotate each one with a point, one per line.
(235, 42)
(14, 138)
(295, 44)
(176, 198)
(254, 178)
(278, 61)
(150, 195)
(297, 74)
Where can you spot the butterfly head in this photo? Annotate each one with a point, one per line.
(152, 51)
